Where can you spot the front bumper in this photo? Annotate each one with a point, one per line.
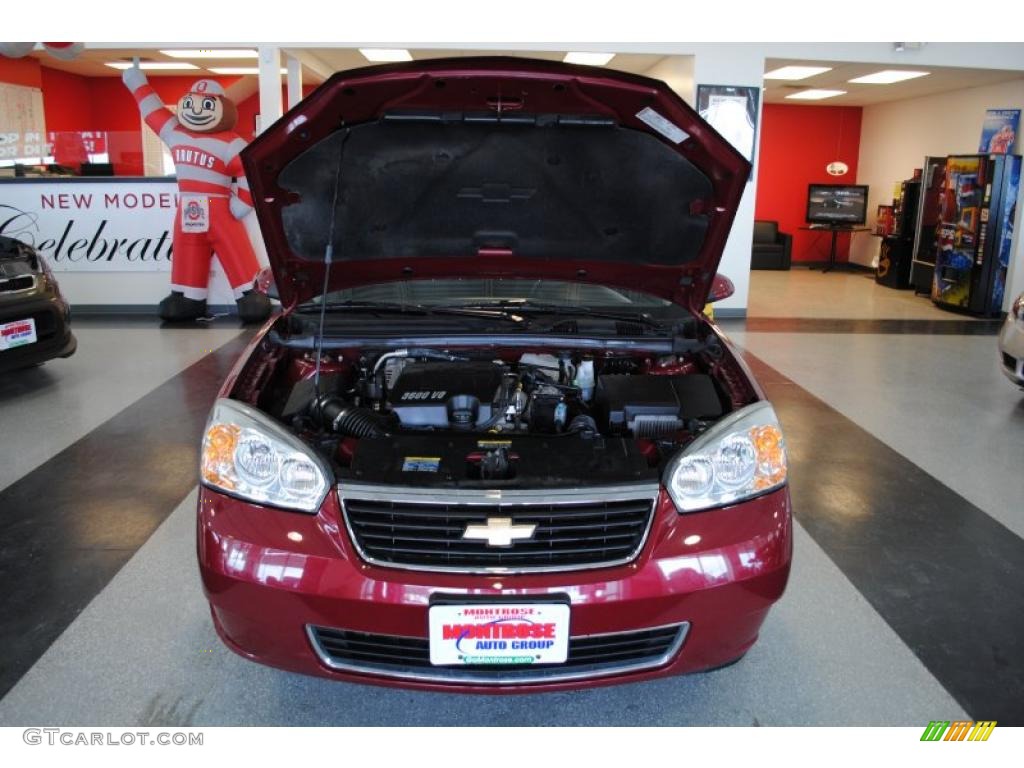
(270, 575)
(53, 329)
(1011, 350)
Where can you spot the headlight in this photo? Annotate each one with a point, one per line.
(1018, 308)
(250, 456)
(743, 455)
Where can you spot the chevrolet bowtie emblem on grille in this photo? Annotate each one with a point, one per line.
(499, 531)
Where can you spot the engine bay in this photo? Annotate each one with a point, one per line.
(424, 416)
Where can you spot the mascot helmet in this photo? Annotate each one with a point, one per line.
(206, 108)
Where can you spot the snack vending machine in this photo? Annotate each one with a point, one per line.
(975, 231)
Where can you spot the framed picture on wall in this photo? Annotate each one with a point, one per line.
(732, 110)
(999, 131)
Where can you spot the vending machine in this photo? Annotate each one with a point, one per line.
(896, 251)
(922, 269)
(975, 231)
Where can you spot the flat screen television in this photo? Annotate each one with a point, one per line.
(837, 204)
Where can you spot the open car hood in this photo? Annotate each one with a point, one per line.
(494, 167)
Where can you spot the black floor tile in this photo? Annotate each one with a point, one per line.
(943, 574)
(955, 326)
(68, 526)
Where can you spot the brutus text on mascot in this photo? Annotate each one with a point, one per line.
(213, 197)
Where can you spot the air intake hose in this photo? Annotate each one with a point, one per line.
(339, 416)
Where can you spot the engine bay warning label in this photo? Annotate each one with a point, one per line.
(421, 464)
(663, 125)
(492, 444)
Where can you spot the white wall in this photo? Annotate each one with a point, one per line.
(677, 73)
(896, 136)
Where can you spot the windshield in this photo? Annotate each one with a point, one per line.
(476, 291)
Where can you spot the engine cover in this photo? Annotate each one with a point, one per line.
(446, 394)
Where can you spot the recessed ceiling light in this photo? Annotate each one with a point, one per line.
(591, 59)
(814, 94)
(887, 76)
(211, 53)
(153, 65)
(795, 73)
(386, 54)
(240, 70)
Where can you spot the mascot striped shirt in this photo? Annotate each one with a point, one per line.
(205, 163)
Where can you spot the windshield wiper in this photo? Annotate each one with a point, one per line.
(365, 306)
(385, 307)
(540, 308)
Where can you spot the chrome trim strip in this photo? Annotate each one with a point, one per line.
(486, 497)
(35, 284)
(552, 673)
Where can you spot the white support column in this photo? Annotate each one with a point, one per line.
(294, 81)
(734, 64)
(270, 86)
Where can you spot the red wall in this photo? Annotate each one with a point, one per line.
(67, 102)
(797, 142)
(76, 103)
(23, 71)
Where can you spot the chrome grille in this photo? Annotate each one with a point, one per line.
(409, 657)
(573, 529)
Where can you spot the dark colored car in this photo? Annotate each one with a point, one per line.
(34, 317)
(491, 443)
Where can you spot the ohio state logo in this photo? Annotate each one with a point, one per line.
(193, 211)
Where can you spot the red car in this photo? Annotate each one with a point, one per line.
(492, 443)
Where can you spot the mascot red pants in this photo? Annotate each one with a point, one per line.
(213, 197)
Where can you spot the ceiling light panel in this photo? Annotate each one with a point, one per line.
(591, 59)
(153, 65)
(795, 73)
(240, 70)
(386, 54)
(815, 94)
(213, 53)
(888, 76)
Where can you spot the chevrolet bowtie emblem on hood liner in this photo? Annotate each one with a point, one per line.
(499, 531)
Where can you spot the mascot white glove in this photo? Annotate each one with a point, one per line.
(134, 77)
(238, 209)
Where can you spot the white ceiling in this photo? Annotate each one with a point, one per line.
(322, 61)
(91, 62)
(340, 59)
(940, 80)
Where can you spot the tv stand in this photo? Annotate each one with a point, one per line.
(835, 230)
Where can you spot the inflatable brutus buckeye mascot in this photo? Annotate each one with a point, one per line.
(210, 204)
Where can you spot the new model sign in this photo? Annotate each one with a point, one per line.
(115, 226)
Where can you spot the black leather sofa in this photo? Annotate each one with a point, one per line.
(771, 249)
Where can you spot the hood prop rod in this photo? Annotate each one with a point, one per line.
(328, 259)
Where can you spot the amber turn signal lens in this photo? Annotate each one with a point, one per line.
(771, 456)
(218, 454)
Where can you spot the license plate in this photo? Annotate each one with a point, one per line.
(17, 334)
(499, 633)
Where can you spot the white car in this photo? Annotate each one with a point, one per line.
(1011, 343)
